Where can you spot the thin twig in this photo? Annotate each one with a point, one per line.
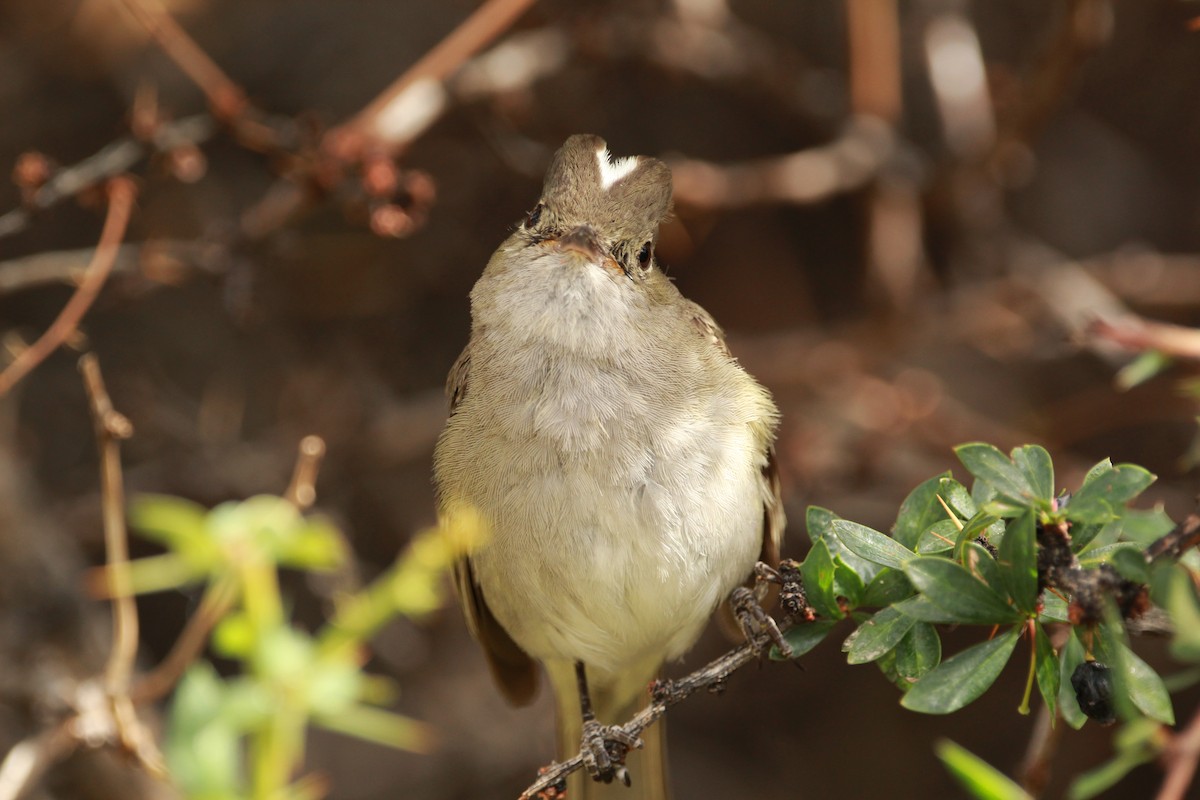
(111, 426)
(1135, 333)
(111, 160)
(29, 759)
(217, 600)
(1181, 757)
(121, 194)
(377, 126)
(302, 492)
(225, 97)
(664, 695)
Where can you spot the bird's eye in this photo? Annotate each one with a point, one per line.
(644, 255)
(534, 216)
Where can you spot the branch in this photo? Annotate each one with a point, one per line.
(110, 161)
(121, 194)
(1182, 754)
(664, 694)
(302, 491)
(406, 107)
(1135, 333)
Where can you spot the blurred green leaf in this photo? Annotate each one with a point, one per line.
(1034, 462)
(803, 637)
(949, 585)
(1184, 609)
(1146, 688)
(171, 521)
(872, 545)
(1054, 608)
(382, 727)
(981, 780)
(1131, 563)
(918, 652)
(879, 634)
(1017, 559)
(1137, 742)
(1141, 369)
(1070, 657)
(1046, 666)
(988, 464)
(962, 678)
(918, 511)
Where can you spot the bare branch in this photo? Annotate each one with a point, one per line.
(1182, 755)
(29, 759)
(301, 492)
(1135, 333)
(121, 194)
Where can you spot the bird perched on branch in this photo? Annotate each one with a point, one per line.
(621, 457)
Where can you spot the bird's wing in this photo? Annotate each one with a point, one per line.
(514, 671)
(774, 519)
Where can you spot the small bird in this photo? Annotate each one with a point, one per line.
(620, 455)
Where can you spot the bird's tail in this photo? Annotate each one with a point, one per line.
(614, 703)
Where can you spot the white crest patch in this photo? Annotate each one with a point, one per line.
(612, 171)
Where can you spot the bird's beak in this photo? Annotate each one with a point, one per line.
(582, 240)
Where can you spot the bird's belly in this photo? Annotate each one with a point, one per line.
(612, 560)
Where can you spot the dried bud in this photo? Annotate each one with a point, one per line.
(187, 163)
(379, 176)
(391, 220)
(31, 171)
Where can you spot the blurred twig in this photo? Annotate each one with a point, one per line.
(121, 194)
(1135, 333)
(1181, 757)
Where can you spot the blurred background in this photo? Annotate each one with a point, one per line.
(908, 216)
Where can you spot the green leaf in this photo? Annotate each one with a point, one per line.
(918, 652)
(1017, 559)
(172, 521)
(979, 778)
(803, 638)
(1141, 369)
(817, 573)
(958, 497)
(878, 635)
(381, 727)
(1034, 462)
(1146, 688)
(819, 524)
(923, 609)
(1130, 562)
(950, 586)
(1054, 609)
(1069, 658)
(988, 464)
(888, 587)
(962, 678)
(1102, 778)
(938, 538)
(1137, 742)
(872, 545)
(1104, 494)
(918, 511)
(1046, 666)
(846, 582)
(979, 562)
(1185, 614)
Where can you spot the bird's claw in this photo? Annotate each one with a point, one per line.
(604, 748)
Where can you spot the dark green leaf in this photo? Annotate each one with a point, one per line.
(918, 511)
(818, 522)
(888, 587)
(990, 465)
(1046, 667)
(1083, 535)
(939, 538)
(979, 562)
(846, 582)
(1069, 658)
(923, 609)
(957, 591)
(918, 652)
(1104, 495)
(981, 780)
(1130, 562)
(820, 526)
(1035, 463)
(1146, 688)
(958, 497)
(871, 544)
(803, 638)
(1099, 780)
(878, 635)
(817, 573)
(1054, 608)
(1017, 559)
(962, 678)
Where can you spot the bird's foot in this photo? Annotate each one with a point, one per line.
(604, 748)
(755, 622)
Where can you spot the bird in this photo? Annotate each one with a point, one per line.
(620, 456)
